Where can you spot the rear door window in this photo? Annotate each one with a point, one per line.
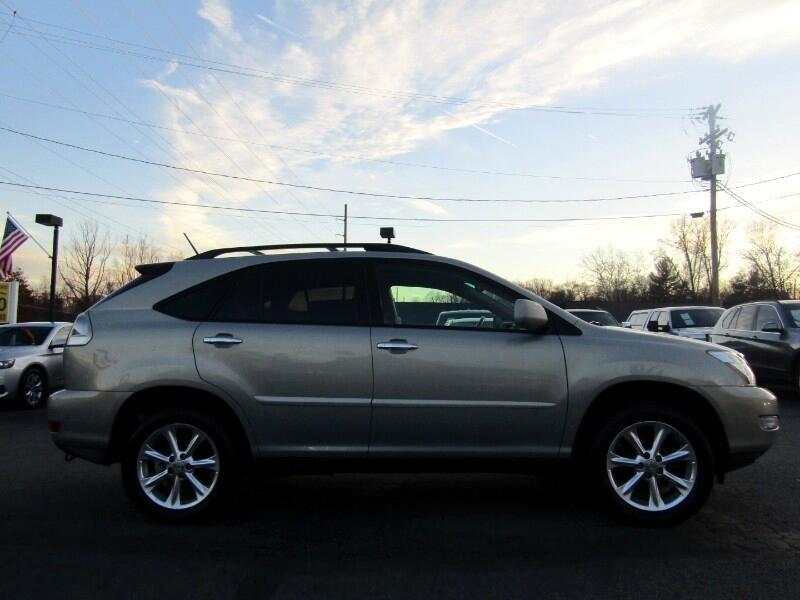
(322, 292)
(766, 314)
(747, 315)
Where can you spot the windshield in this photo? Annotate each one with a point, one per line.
(695, 317)
(23, 336)
(598, 318)
(793, 309)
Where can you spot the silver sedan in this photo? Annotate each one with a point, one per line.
(31, 358)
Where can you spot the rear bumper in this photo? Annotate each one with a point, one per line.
(81, 422)
(740, 409)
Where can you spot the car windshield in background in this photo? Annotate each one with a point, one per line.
(793, 309)
(23, 336)
(695, 317)
(601, 318)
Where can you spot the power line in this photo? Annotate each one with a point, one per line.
(761, 212)
(337, 190)
(207, 180)
(218, 66)
(350, 216)
(332, 155)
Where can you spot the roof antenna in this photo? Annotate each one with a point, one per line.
(190, 243)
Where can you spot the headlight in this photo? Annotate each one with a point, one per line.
(735, 361)
(81, 333)
(6, 364)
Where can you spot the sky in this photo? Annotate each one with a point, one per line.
(438, 101)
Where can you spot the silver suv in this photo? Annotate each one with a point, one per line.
(328, 360)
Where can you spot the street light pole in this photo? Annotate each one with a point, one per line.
(53, 276)
(54, 222)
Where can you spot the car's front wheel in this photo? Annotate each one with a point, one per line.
(33, 388)
(654, 465)
(179, 465)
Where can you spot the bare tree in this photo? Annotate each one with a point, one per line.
(614, 275)
(84, 269)
(689, 247)
(541, 286)
(130, 253)
(775, 267)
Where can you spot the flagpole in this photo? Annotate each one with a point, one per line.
(17, 223)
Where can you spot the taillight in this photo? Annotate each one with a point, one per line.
(81, 333)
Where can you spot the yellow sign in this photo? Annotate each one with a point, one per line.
(8, 301)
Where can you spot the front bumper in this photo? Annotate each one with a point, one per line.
(740, 409)
(81, 422)
(9, 381)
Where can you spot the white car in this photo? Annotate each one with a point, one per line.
(695, 322)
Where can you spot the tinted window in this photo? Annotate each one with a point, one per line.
(328, 292)
(766, 314)
(197, 303)
(23, 336)
(730, 318)
(696, 317)
(240, 300)
(746, 317)
(793, 310)
(419, 294)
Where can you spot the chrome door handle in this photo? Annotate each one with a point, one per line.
(397, 345)
(222, 339)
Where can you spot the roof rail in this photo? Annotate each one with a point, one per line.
(332, 247)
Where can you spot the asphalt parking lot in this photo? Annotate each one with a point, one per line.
(68, 531)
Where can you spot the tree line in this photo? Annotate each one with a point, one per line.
(678, 271)
(91, 265)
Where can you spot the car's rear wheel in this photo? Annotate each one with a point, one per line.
(180, 465)
(33, 388)
(654, 465)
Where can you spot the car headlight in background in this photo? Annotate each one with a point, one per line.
(6, 364)
(81, 333)
(737, 362)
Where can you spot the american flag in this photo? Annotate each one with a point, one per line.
(13, 237)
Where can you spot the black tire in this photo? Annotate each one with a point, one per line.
(650, 415)
(32, 392)
(228, 471)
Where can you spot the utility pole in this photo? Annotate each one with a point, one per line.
(345, 223)
(707, 169)
(712, 152)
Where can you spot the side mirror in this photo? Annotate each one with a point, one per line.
(530, 315)
(58, 344)
(772, 327)
(626, 324)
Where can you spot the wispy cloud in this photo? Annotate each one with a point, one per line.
(509, 51)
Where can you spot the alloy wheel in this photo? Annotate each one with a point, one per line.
(651, 466)
(33, 389)
(178, 466)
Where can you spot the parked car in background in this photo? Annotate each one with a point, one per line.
(694, 322)
(768, 334)
(328, 360)
(595, 316)
(636, 319)
(31, 358)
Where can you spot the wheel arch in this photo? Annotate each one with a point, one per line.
(625, 394)
(144, 403)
